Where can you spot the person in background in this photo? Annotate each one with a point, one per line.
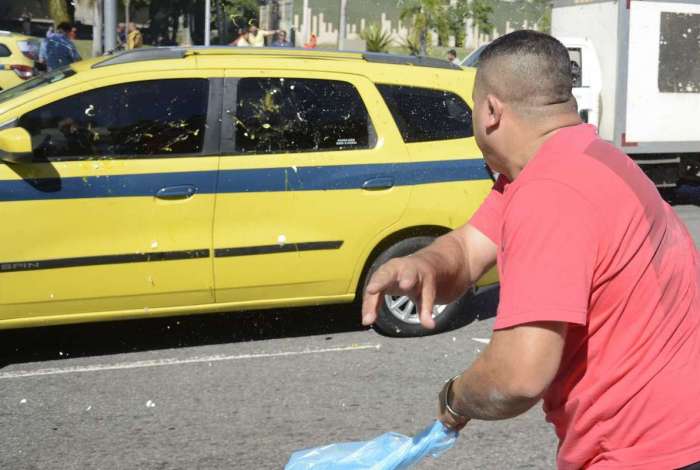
(281, 40)
(135, 39)
(243, 39)
(313, 42)
(452, 57)
(60, 50)
(40, 64)
(256, 36)
(73, 34)
(121, 36)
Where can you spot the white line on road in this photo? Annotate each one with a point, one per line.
(175, 361)
(482, 340)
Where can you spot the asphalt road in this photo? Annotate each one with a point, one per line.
(243, 391)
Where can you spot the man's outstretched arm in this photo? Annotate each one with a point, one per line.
(509, 377)
(440, 273)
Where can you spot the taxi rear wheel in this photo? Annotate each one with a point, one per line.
(398, 315)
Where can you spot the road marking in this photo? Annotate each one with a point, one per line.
(175, 361)
(482, 340)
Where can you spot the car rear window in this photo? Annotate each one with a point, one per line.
(426, 114)
(280, 115)
(4, 51)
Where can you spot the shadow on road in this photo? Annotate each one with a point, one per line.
(104, 338)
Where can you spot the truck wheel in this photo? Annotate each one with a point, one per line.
(398, 316)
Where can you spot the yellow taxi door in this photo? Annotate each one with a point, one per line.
(305, 184)
(114, 214)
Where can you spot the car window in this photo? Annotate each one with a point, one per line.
(276, 115)
(4, 51)
(424, 114)
(576, 72)
(472, 60)
(37, 82)
(155, 117)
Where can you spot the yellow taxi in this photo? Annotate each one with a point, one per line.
(169, 181)
(17, 56)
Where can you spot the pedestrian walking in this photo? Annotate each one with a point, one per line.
(134, 39)
(599, 310)
(60, 50)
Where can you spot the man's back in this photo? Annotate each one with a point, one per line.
(60, 51)
(628, 386)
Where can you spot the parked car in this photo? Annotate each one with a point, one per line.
(472, 60)
(167, 181)
(17, 56)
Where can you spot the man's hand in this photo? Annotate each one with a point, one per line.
(442, 271)
(413, 276)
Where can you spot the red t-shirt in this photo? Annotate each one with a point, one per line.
(584, 238)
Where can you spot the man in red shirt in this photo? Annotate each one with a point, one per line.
(599, 311)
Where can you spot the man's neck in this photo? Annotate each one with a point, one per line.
(531, 139)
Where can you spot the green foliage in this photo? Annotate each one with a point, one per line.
(411, 46)
(376, 40)
(481, 12)
(240, 12)
(424, 16)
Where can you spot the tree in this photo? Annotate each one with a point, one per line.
(58, 10)
(425, 16)
(481, 12)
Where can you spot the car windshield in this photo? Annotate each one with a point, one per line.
(37, 82)
(472, 60)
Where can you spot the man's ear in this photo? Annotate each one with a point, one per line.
(495, 111)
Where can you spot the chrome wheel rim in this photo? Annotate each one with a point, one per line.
(405, 310)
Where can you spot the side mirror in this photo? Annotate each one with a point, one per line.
(16, 145)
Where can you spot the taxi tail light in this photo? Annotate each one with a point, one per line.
(23, 71)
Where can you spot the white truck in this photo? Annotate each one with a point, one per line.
(639, 80)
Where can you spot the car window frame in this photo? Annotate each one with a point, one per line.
(210, 143)
(230, 105)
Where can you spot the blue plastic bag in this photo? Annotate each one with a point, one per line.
(390, 451)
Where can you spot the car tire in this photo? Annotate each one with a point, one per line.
(397, 320)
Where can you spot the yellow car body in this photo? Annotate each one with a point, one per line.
(15, 66)
(112, 237)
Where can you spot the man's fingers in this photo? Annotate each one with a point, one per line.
(382, 279)
(427, 300)
(370, 304)
(378, 283)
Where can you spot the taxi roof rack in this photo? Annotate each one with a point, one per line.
(162, 53)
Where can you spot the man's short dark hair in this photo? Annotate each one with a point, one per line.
(526, 68)
(452, 51)
(64, 26)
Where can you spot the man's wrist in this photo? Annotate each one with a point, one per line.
(449, 400)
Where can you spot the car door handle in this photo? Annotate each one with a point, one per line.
(375, 184)
(176, 192)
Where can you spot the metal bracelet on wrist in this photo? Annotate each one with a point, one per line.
(448, 387)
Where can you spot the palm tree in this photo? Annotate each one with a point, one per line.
(425, 15)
